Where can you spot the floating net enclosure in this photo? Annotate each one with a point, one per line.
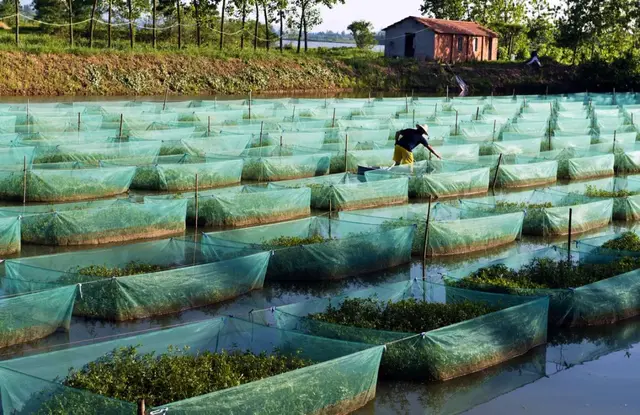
(625, 193)
(32, 316)
(512, 176)
(342, 379)
(604, 301)
(283, 163)
(437, 179)
(143, 280)
(134, 153)
(346, 191)
(515, 326)
(546, 211)
(231, 145)
(449, 234)
(318, 248)
(10, 234)
(99, 222)
(178, 173)
(245, 205)
(577, 163)
(63, 185)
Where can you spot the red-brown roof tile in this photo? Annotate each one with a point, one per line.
(453, 27)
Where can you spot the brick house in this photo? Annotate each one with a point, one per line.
(440, 40)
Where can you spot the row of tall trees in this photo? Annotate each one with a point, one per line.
(248, 23)
(568, 30)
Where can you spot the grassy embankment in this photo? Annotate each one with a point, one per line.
(44, 65)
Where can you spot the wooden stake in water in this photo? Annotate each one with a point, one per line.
(477, 113)
(495, 176)
(346, 152)
(493, 137)
(79, 122)
(447, 92)
(330, 209)
(28, 122)
(414, 116)
(293, 116)
(614, 141)
(196, 206)
(208, 125)
(121, 120)
(435, 111)
(406, 103)
(261, 130)
(24, 182)
(456, 122)
(249, 104)
(426, 233)
(166, 93)
(280, 140)
(333, 120)
(569, 235)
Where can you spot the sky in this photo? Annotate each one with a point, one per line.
(381, 13)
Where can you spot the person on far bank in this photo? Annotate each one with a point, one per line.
(407, 140)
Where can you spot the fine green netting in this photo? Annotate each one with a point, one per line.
(346, 191)
(58, 185)
(525, 175)
(230, 145)
(244, 205)
(437, 179)
(135, 153)
(577, 163)
(602, 302)
(16, 156)
(178, 173)
(519, 325)
(32, 316)
(174, 276)
(10, 234)
(342, 379)
(99, 222)
(546, 211)
(318, 248)
(449, 234)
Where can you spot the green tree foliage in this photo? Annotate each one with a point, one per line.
(362, 32)
(446, 9)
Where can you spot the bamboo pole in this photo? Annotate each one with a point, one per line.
(28, 121)
(406, 103)
(414, 116)
(281, 141)
(261, 130)
(614, 141)
(569, 235)
(493, 137)
(166, 93)
(208, 125)
(456, 122)
(426, 233)
(293, 116)
(495, 176)
(17, 6)
(477, 113)
(330, 210)
(79, 122)
(70, 7)
(249, 104)
(24, 182)
(333, 121)
(346, 152)
(121, 120)
(197, 207)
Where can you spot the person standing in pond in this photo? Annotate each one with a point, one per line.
(407, 140)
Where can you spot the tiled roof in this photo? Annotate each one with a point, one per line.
(452, 27)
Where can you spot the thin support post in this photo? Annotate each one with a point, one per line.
(208, 125)
(70, 7)
(196, 206)
(569, 236)
(28, 121)
(493, 137)
(514, 93)
(426, 233)
(495, 176)
(477, 113)
(166, 93)
(456, 122)
(17, 6)
(333, 120)
(154, 34)
(121, 120)
(614, 141)
(24, 182)
(435, 110)
(346, 152)
(79, 122)
(261, 131)
(614, 96)
(330, 211)
(293, 115)
(249, 104)
(280, 140)
(447, 92)
(414, 116)
(142, 410)
(546, 92)
(406, 103)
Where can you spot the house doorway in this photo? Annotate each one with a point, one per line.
(409, 44)
(490, 49)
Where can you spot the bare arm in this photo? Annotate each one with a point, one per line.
(397, 136)
(433, 151)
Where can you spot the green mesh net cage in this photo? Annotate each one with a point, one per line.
(241, 206)
(346, 191)
(16, 156)
(318, 248)
(511, 176)
(577, 163)
(518, 325)
(602, 302)
(10, 228)
(437, 179)
(178, 173)
(64, 185)
(99, 222)
(231, 145)
(168, 276)
(135, 153)
(546, 211)
(342, 379)
(449, 233)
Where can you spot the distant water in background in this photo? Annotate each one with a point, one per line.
(314, 44)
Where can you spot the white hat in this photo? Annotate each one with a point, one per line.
(424, 127)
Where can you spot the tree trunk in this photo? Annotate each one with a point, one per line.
(154, 34)
(281, 30)
(224, 6)
(91, 23)
(266, 23)
(130, 23)
(109, 25)
(306, 43)
(179, 25)
(70, 23)
(17, 6)
(196, 5)
(244, 20)
(301, 23)
(575, 52)
(255, 28)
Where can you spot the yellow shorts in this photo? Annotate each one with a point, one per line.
(402, 156)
